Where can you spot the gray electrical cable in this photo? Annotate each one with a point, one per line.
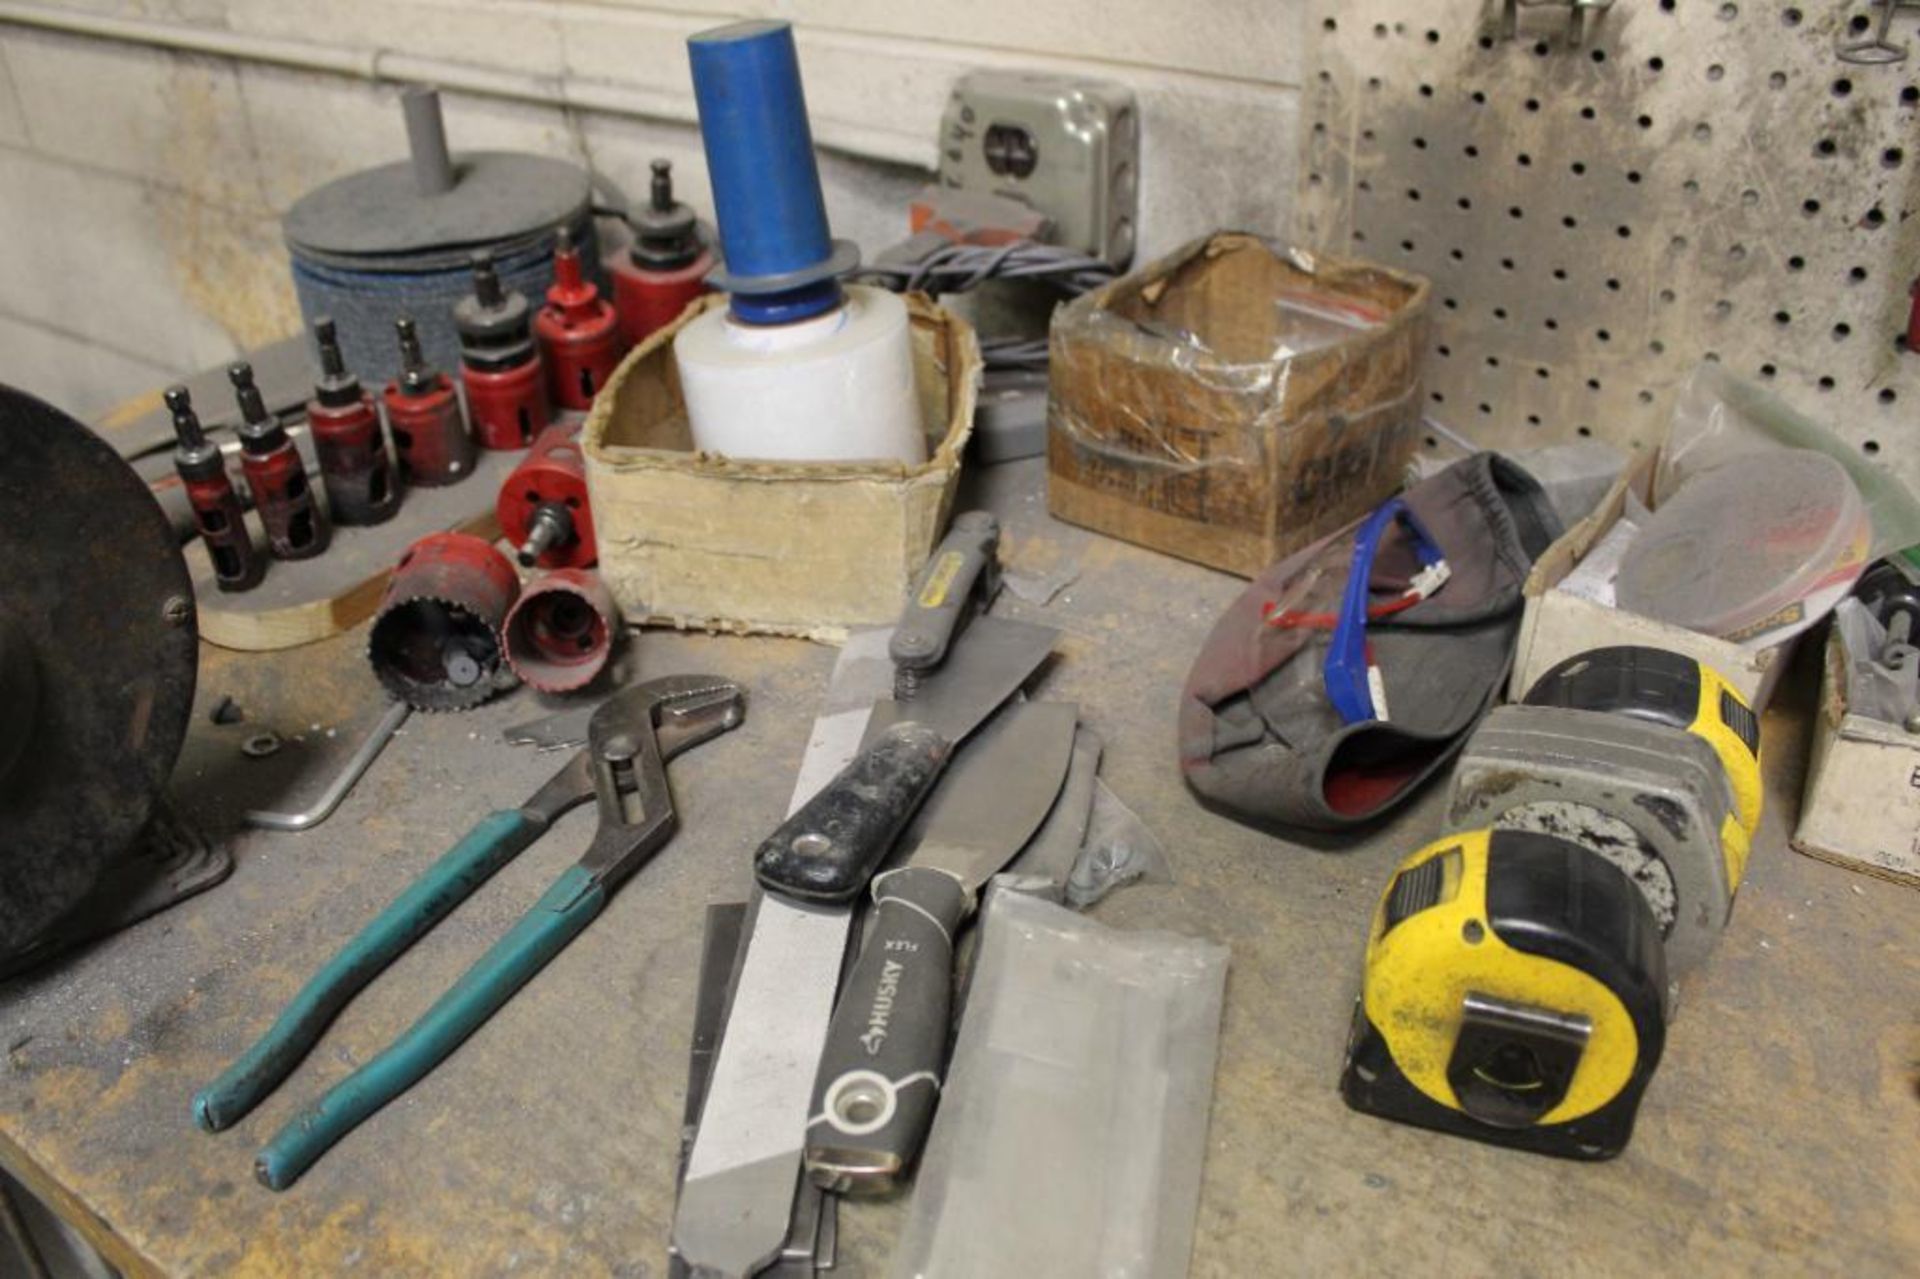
(956, 268)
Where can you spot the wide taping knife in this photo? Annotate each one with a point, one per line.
(886, 1053)
(734, 1207)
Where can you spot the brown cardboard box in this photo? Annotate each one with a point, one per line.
(1235, 400)
(783, 548)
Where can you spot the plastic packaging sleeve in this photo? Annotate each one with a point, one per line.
(1070, 1139)
(1719, 417)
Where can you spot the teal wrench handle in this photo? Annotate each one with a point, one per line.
(493, 842)
(568, 907)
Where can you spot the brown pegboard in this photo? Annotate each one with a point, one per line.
(1700, 181)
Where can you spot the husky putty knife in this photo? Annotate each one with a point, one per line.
(746, 1158)
(886, 1052)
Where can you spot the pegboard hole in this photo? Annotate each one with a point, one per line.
(1777, 80)
(1438, 398)
(1533, 419)
(1559, 273)
(1602, 335)
(1645, 122)
(1486, 409)
(1329, 25)
(1737, 252)
(1613, 286)
(1875, 217)
(1543, 373)
(1826, 146)
(1722, 309)
(1413, 193)
(1419, 144)
(1668, 296)
(1910, 95)
(1842, 331)
(1584, 432)
(1472, 152)
(1493, 361)
(1359, 236)
(1796, 263)
(1551, 324)
(1541, 48)
(1749, 197)
(1768, 370)
(1532, 104)
(1523, 160)
(1656, 64)
(1891, 158)
(1598, 55)
(1666, 6)
(1479, 98)
(1458, 255)
(1790, 17)
(1443, 351)
(1825, 384)
(1657, 347)
(1506, 264)
(1588, 113)
(1633, 176)
(1888, 395)
(1379, 30)
(1569, 222)
(1451, 304)
(1463, 204)
(1593, 384)
(1644, 395)
(1870, 447)
(1810, 206)
(1842, 87)
(1406, 246)
(1783, 318)
(1624, 232)
(1857, 274)
(1702, 132)
(1433, 37)
(1859, 22)
(1499, 312)
(1728, 12)
(1426, 91)
(1579, 168)
(1363, 186)
(1515, 213)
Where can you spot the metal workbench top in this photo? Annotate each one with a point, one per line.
(1778, 1136)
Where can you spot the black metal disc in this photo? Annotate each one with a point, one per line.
(98, 603)
(377, 219)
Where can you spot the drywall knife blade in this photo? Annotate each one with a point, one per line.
(746, 1158)
(885, 1057)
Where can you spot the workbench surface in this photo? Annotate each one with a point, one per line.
(1779, 1134)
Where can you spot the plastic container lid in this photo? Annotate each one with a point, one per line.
(1753, 550)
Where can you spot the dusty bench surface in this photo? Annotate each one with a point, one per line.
(1780, 1134)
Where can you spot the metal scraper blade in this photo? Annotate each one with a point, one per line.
(987, 665)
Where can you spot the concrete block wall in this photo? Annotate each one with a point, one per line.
(147, 156)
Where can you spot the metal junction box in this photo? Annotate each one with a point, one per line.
(1066, 147)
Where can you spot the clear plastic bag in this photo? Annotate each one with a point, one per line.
(1070, 1139)
(1719, 417)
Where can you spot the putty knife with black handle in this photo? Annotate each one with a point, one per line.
(886, 1050)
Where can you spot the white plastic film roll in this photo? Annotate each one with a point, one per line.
(837, 387)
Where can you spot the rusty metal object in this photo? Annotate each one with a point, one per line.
(100, 618)
(561, 632)
(436, 641)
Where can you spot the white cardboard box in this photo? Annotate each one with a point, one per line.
(1862, 804)
(1557, 625)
